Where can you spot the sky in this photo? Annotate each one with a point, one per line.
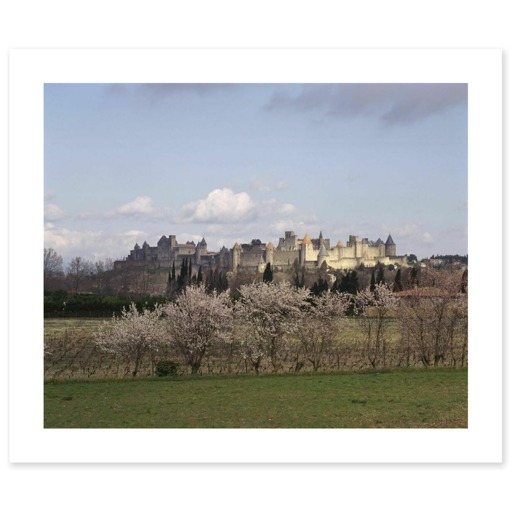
(128, 163)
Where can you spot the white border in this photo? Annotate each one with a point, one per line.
(30, 442)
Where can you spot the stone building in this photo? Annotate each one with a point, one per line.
(254, 256)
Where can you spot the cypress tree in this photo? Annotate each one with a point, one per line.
(413, 279)
(199, 276)
(398, 286)
(380, 275)
(268, 275)
(351, 282)
(372, 281)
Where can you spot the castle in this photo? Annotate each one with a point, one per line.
(306, 252)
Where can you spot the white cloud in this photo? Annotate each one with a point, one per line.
(427, 237)
(90, 244)
(142, 205)
(52, 212)
(221, 206)
(259, 185)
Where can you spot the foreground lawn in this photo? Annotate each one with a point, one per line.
(433, 398)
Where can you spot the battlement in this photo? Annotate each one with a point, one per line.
(291, 250)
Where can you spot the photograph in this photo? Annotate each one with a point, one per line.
(243, 255)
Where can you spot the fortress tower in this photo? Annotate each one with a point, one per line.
(390, 247)
(306, 252)
(323, 255)
(236, 257)
(269, 253)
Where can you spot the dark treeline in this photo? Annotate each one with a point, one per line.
(60, 303)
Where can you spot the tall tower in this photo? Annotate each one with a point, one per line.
(305, 249)
(236, 257)
(390, 247)
(269, 253)
(201, 250)
(323, 255)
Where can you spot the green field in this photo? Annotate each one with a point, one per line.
(422, 398)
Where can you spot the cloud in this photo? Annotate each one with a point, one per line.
(427, 237)
(91, 244)
(201, 89)
(258, 185)
(391, 103)
(156, 92)
(142, 205)
(223, 206)
(52, 213)
(141, 208)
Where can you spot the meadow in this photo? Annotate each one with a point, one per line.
(399, 398)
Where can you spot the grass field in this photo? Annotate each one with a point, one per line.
(429, 398)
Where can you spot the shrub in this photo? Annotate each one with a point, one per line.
(167, 368)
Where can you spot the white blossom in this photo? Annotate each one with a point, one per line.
(272, 312)
(134, 334)
(195, 321)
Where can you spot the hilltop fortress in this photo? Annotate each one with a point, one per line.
(291, 251)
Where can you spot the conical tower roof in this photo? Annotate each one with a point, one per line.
(339, 244)
(270, 245)
(323, 251)
(306, 239)
(389, 241)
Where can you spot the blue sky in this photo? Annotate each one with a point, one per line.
(127, 163)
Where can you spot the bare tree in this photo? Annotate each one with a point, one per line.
(434, 317)
(319, 326)
(52, 263)
(77, 270)
(375, 307)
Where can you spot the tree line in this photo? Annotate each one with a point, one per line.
(280, 327)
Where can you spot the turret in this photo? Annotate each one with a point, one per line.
(261, 265)
(323, 255)
(269, 253)
(198, 254)
(236, 257)
(390, 247)
(305, 248)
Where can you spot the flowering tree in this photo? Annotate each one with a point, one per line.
(133, 334)
(273, 312)
(318, 329)
(195, 321)
(374, 308)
